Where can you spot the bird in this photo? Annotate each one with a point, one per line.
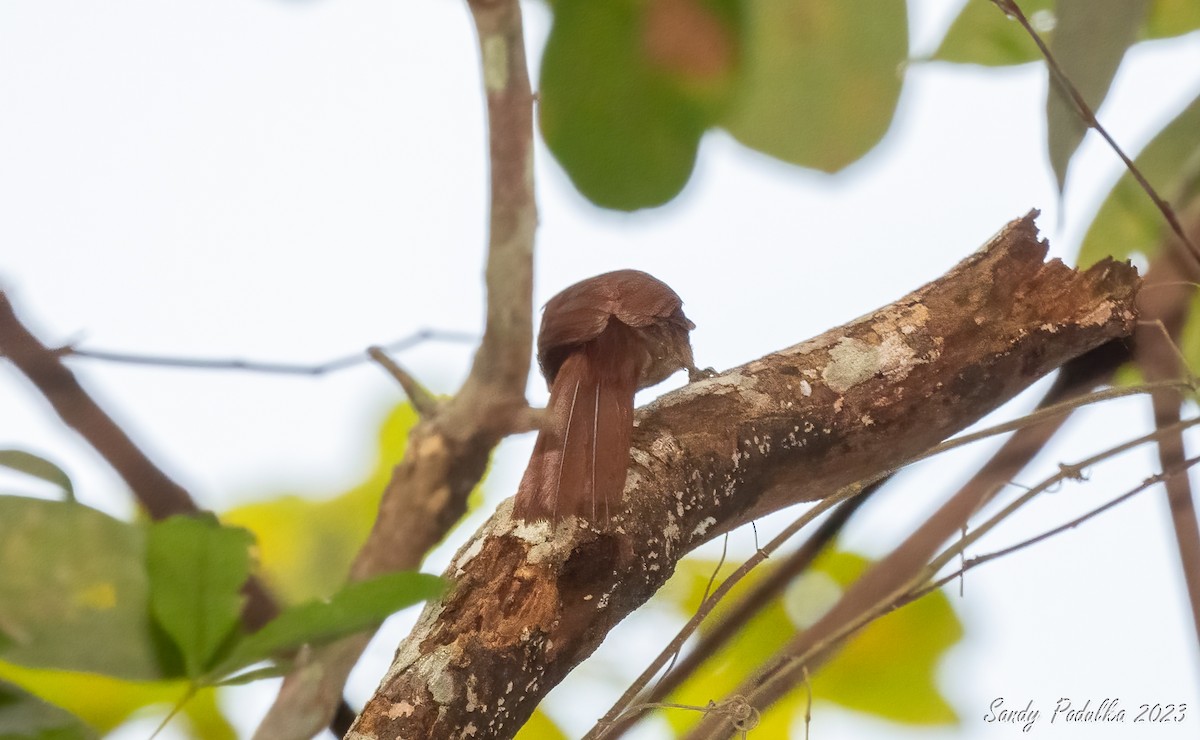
(601, 340)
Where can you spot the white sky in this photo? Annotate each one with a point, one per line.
(297, 180)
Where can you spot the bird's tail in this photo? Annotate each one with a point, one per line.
(581, 455)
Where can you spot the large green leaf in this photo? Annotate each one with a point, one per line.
(73, 592)
(820, 79)
(1090, 40)
(626, 91)
(37, 467)
(1128, 222)
(197, 569)
(356, 607)
(25, 717)
(888, 669)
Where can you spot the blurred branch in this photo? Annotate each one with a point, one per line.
(1088, 116)
(448, 450)
(280, 368)
(1167, 308)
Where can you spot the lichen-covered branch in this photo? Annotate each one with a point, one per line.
(531, 602)
(448, 450)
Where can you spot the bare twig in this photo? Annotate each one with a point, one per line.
(621, 716)
(281, 368)
(422, 400)
(981, 559)
(616, 721)
(907, 568)
(1010, 8)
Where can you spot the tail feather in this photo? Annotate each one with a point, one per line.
(581, 456)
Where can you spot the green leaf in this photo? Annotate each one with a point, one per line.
(105, 703)
(899, 652)
(38, 467)
(1128, 222)
(25, 717)
(540, 727)
(1172, 18)
(1089, 42)
(821, 79)
(197, 568)
(983, 34)
(356, 607)
(623, 101)
(305, 547)
(73, 591)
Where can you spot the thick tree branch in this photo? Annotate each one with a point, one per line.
(531, 602)
(448, 451)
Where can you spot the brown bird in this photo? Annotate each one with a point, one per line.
(601, 340)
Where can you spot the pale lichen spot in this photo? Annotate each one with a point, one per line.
(805, 388)
(400, 709)
(867, 420)
(703, 526)
(495, 63)
(468, 554)
(837, 405)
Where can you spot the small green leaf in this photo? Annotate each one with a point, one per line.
(1128, 221)
(73, 592)
(821, 79)
(38, 467)
(25, 717)
(621, 124)
(1089, 42)
(983, 34)
(355, 608)
(197, 568)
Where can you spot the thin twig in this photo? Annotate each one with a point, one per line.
(851, 613)
(613, 720)
(256, 366)
(425, 403)
(977, 560)
(1010, 8)
(743, 611)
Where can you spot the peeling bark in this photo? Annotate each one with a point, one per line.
(530, 602)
